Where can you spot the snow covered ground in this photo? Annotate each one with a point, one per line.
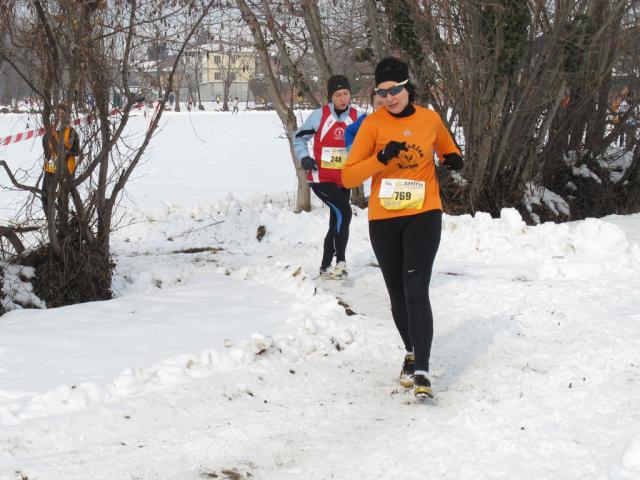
(222, 357)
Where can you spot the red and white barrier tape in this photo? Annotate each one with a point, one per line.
(18, 137)
(21, 136)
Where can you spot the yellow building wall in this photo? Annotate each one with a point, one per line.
(242, 64)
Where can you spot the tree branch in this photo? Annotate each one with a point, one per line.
(17, 184)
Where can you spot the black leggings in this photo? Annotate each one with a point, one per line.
(405, 248)
(337, 199)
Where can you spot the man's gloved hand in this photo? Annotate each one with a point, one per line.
(391, 150)
(308, 163)
(453, 161)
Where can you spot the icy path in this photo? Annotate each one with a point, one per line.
(535, 363)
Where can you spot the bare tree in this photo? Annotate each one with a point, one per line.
(374, 21)
(278, 95)
(311, 15)
(74, 48)
(293, 40)
(525, 82)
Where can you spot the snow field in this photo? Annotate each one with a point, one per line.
(236, 360)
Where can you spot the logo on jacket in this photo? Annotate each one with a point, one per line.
(338, 133)
(407, 133)
(411, 157)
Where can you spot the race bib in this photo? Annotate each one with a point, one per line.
(333, 157)
(398, 194)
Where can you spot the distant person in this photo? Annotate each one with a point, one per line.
(395, 146)
(324, 163)
(235, 106)
(51, 146)
(190, 103)
(117, 99)
(172, 98)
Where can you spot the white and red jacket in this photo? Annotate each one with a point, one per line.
(324, 130)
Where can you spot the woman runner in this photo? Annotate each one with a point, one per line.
(324, 162)
(395, 146)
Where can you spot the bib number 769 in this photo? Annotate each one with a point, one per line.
(402, 195)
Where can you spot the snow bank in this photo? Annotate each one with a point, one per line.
(559, 251)
(17, 291)
(312, 324)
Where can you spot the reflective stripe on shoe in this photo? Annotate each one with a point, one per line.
(406, 380)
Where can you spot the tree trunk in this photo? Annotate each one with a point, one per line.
(177, 93)
(314, 27)
(225, 96)
(285, 112)
(296, 75)
(374, 23)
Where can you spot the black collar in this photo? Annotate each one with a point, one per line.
(408, 111)
(339, 112)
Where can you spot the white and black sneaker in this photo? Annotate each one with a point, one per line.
(422, 385)
(408, 369)
(340, 270)
(325, 272)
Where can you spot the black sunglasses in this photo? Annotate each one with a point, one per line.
(395, 90)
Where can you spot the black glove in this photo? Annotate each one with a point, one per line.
(391, 150)
(308, 164)
(453, 161)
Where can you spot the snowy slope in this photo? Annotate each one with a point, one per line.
(223, 356)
